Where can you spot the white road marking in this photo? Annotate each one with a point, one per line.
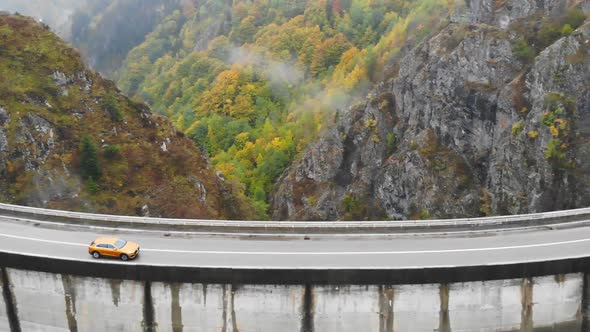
(217, 252)
(369, 252)
(43, 240)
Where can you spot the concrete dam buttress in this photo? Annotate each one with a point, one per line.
(39, 301)
(519, 273)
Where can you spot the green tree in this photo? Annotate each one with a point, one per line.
(371, 62)
(245, 31)
(92, 186)
(112, 152)
(111, 106)
(89, 164)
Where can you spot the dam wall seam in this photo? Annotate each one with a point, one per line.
(551, 303)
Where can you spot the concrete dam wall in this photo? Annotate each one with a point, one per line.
(40, 301)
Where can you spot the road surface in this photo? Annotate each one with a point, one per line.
(393, 253)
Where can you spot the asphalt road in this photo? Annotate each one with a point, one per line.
(402, 252)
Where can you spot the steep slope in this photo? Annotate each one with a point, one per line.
(70, 140)
(254, 82)
(106, 30)
(56, 13)
(103, 30)
(489, 116)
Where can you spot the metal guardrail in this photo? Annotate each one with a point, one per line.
(262, 275)
(290, 227)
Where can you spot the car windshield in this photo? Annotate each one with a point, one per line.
(120, 243)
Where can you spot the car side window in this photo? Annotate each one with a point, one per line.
(110, 246)
(102, 245)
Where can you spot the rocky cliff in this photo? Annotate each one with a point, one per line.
(70, 140)
(489, 116)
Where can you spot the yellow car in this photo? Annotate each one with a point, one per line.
(113, 247)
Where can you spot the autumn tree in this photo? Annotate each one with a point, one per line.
(273, 79)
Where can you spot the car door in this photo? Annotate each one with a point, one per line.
(102, 249)
(106, 249)
(112, 251)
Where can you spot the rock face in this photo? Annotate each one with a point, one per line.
(502, 13)
(466, 128)
(50, 105)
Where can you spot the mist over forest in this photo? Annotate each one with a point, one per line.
(55, 13)
(288, 98)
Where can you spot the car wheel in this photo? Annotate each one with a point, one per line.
(124, 257)
(96, 255)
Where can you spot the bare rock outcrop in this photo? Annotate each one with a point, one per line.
(466, 128)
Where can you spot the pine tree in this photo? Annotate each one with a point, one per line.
(89, 166)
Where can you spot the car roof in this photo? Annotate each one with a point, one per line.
(109, 240)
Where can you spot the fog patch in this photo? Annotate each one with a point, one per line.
(276, 72)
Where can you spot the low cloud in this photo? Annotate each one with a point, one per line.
(277, 72)
(284, 76)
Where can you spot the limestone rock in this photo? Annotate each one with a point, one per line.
(464, 129)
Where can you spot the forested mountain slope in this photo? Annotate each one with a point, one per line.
(70, 140)
(55, 13)
(363, 109)
(255, 82)
(106, 30)
(489, 116)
